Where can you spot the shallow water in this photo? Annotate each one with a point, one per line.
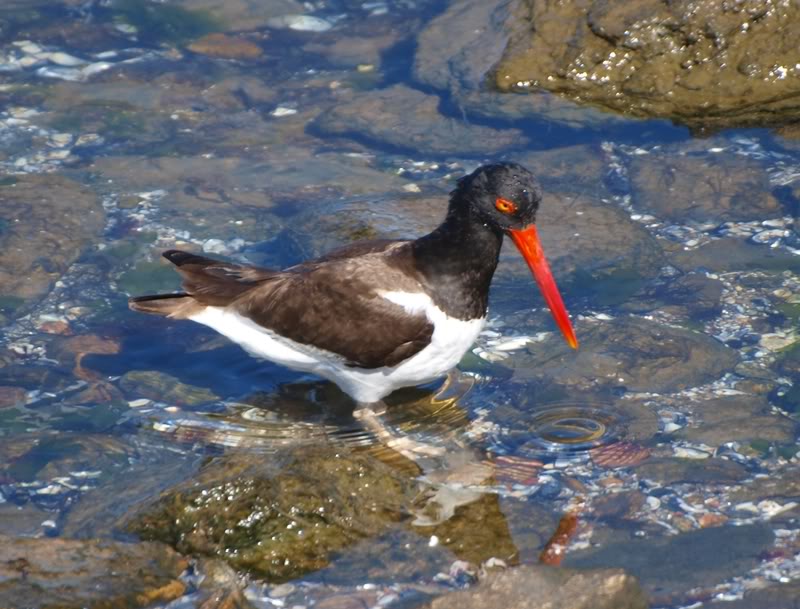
(675, 420)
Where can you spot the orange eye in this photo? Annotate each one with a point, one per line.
(505, 206)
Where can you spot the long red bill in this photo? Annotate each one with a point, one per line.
(527, 242)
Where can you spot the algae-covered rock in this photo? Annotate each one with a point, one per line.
(711, 63)
(93, 574)
(46, 222)
(279, 525)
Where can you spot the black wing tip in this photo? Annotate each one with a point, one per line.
(161, 304)
(180, 258)
(156, 297)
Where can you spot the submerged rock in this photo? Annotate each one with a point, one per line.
(588, 242)
(705, 189)
(46, 222)
(405, 118)
(669, 567)
(238, 15)
(693, 296)
(70, 574)
(542, 587)
(279, 525)
(773, 596)
(733, 254)
(738, 419)
(225, 47)
(628, 352)
(705, 64)
(164, 388)
(668, 470)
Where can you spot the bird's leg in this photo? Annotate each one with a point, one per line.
(370, 416)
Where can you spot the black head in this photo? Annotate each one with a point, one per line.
(503, 195)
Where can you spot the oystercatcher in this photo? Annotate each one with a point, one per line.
(378, 315)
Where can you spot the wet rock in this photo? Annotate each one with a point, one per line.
(457, 50)
(713, 188)
(637, 354)
(162, 387)
(666, 471)
(731, 254)
(46, 222)
(669, 567)
(706, 64)
(408, 119)
(73, 574)
(738, 419)
(225, 47)
(540, 587)
(238, 15)
(279, 525)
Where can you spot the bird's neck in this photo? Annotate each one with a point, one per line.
(457, 262)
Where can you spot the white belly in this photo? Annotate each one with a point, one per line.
(450, 340)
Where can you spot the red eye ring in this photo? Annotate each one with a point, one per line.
(505, 206)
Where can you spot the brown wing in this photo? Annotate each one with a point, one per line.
(335, 305)
(331, 303)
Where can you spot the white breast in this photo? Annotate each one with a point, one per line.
(450, 340)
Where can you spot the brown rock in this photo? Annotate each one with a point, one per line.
(704, 64)
(226, 47)
(540, 587)
(634, 353)
(672, 569)
(243, 15)
(713, 188)
(409, 119)
(71, 574)
(738, 418)
(47, 221)
(669, 470)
